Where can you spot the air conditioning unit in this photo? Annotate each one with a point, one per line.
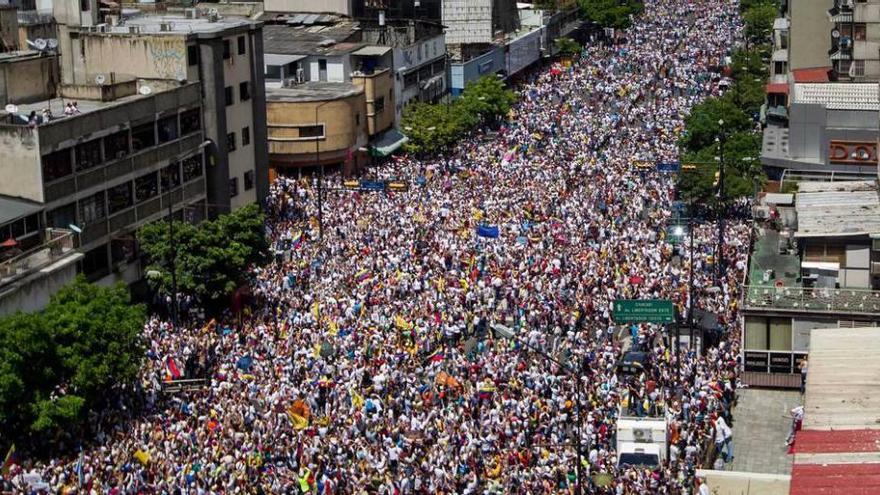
(134, 30)
(191, 13)
(875, 268)
(875, 244)
(165, 27)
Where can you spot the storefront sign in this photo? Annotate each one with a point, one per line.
(852, 152)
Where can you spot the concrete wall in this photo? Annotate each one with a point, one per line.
(379, 85)
(523, 51)
(342, 133)
(28, 79)
(810, 34)
(462, 73)
(33, 293)
(343, 7)
(9, 28)
(20, 163)
(737, 483)
(144, 56)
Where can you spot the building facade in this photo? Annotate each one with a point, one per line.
(855, 40)
(223, 54)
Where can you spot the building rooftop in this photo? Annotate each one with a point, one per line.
(176, 24)
(771, 263)
(839, 96)
(827, 209)
(313, 91)
(811, 75)
(15, 208)
(323, 40)
(838, 450)
(15, 56)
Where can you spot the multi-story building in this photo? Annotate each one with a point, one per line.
(478, 21)
(815, 263)
(127, 157)
(224, 55)
(855, 40)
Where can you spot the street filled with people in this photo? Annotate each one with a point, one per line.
(457, 335)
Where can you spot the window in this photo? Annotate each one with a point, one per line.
(410, 80)
(379, 104)
(88, 155)
(146, 187)
(227, 50)
(244, 91)
(116, 145)
(143, 136)
(62, 217)
(190, 121)
(230, 141)
(248, 180)
(859, 31)
(94, 263)
(241, 45)
(119, 197)
(857, 69)
(56, 165)
(357, 120)
(233, 187)
(192, 54)
(84, 5)
(311, 131)
(91, 209)
(245, 136)
(170, 177)
(322, 64)
(168, 128)
(230, 97)
(192, 167)
(273, 72)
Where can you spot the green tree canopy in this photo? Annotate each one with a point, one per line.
(702, 125)
(212, 258)
(432, 127)
(568, 46)
(611, 13)
(758, 19)
(57, 364)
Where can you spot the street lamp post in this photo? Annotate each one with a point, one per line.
(509, 334)
(320, 174)
(719, 261)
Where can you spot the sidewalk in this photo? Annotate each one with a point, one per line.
(760, 428)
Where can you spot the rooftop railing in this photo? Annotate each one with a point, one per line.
(59, 243)
(812, 299)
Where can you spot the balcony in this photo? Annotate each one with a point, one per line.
(58, 245)
(811, 300)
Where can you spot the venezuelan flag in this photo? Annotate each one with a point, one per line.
(297, 240)
(362, 276)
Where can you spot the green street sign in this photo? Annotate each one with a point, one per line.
(643, 310)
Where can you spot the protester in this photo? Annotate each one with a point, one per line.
(369, 363)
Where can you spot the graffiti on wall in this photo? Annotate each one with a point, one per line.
(168, 56)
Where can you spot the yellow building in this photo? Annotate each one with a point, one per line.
(317, 123)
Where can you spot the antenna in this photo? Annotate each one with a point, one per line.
(145, 90)
(100, 79)
(11, 108)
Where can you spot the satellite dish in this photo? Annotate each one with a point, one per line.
(40, 44)
(100, 79)
(11, 108)
(145, 90)
(52, 43)
(835, 33)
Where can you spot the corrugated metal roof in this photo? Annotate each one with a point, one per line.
(15, 208)
(826, 209)
(839, 96)
(838, 450)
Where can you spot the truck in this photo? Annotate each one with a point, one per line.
(641, 441)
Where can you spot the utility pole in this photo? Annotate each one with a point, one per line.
(691, 283)
(719, 261)
(171, 261)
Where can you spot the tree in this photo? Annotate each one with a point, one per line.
(488, 97)
(212, 258)
(66, 360)
(568, 47)
(702, 125)
(759, 21)
(611, 13)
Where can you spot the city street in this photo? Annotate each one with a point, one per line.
(370, 361)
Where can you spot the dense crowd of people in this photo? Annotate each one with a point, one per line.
(372, 361)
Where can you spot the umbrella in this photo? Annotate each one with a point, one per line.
(9, 243)
(635, 280)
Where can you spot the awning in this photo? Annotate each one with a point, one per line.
(777, 88)
(388, 142)
(275, 59)
(372, 51)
